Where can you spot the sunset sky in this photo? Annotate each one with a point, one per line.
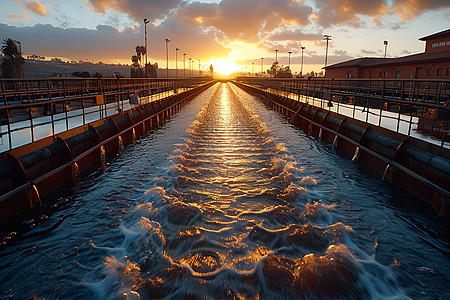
(231, 34)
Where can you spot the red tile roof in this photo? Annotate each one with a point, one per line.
(410, 59)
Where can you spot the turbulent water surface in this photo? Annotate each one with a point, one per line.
(228, 201)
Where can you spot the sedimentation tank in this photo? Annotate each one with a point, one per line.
(226, 199)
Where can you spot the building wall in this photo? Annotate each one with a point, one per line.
(342, 72)
(435, 70)
(438, 44)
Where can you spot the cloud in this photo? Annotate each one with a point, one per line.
(296, 35)
(338, 12)
(108, 44)
(411, 9)
(369, 52)
(246, 20)
(36, 7)
(16, 17)
(137, 9)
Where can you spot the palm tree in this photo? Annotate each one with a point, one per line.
(140, 52)
(135, 61)
(11, 52)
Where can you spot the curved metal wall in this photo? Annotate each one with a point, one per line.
(26, 181)
(409, 163)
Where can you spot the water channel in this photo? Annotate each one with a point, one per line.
(229, 201)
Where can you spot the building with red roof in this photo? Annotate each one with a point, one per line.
(434, 63)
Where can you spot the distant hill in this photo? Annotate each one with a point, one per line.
(34, 68)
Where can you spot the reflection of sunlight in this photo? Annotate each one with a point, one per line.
(224, 66)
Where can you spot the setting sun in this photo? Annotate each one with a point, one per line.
(224, 66)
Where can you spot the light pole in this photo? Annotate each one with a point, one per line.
(145, 26)
(301, 71)
(199, 68)
(290, 52)
(327, 38)
(276, 60)
(190, 68)
(167, 58)
(184, 65)
(385, 48)
(253, 69)
(21, 60)
(176, 62)
(262, 66)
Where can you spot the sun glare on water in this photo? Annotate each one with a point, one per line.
(224, 66)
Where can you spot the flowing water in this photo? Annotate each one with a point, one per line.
(228, 201)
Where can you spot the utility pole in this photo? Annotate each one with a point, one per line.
(326, 38)
(167, 58)
(145, 26)
(176, 62)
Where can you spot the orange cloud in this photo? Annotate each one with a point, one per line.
(36, 7)
(16, 17)
(338, 12)
(411, 9)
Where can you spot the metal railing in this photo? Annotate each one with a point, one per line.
(403, 105)
(31, 109)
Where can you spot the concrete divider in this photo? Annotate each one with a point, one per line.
(420, 167)
(28, 182)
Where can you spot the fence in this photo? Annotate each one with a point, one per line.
(31, 109)
(403, 106)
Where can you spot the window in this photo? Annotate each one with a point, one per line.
(440, 72)
(397, 74)
(349, 75)
(429, 72)
(383, 74)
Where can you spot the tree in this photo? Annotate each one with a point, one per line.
(151, 70)
(13, 58)
(279, 71)
(140, 51)
(211, 69)
(81, 74)
(97, 75)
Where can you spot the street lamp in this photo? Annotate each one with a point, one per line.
(190, 68)
(276, 60)
(184, 65)
(290, 52)
(262, 66)
(253, 69)
(167, 57)
(385, 48)
(176, 62)
(21, 60)
(199, 68)
(145, 26)
(301, 71)
(327, 38)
